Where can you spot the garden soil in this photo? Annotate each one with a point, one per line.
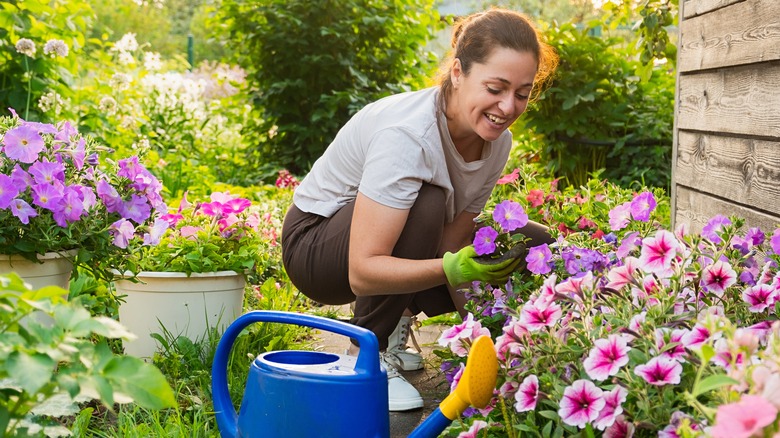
(429, 381)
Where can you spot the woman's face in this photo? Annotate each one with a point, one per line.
(492, 96)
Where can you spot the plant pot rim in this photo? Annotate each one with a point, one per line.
(164, 274)
(47, 256)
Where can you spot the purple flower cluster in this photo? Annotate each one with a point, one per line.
(53, 194)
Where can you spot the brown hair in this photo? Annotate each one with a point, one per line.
(475, 37)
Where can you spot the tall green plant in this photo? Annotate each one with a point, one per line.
(313, 64)
(598, 114)
(37, 41)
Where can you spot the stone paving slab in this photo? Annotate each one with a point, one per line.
(429, 381)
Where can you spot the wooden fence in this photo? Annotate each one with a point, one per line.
(727, 125)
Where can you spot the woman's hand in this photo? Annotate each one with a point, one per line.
(461, 267)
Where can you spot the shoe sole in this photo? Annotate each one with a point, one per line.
(406, 405)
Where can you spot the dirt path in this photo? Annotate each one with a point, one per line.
(429, 381)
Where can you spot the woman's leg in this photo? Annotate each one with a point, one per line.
(419, 240)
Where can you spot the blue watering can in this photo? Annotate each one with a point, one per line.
(310, 393)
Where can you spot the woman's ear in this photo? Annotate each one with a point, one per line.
(456, 73)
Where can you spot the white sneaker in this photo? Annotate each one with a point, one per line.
(397, 352)
(402, 396)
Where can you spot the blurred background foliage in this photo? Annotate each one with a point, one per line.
(292, 72)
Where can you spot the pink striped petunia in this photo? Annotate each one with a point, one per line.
(606, 357)
(527, 394)
(660, 371)
(581, 403)
(659, 251)
(622, 275)
(718, 277)
(539, 314)
(612, 408)
(760, 297)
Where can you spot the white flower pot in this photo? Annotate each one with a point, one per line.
(180, 305)
(54, 271)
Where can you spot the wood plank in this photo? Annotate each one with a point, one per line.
(746, 171)
(696, 209)
(743, 33)
(742, 100)
(692, 8)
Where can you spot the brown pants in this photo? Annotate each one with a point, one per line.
(315, 253)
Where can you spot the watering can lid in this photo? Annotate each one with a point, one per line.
(309, 362)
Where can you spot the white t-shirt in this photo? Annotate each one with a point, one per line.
(389, 148)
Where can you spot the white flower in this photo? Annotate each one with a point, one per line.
(119, 81)
(55, 47)
(51, 101)
(152, 61)
(26, 47)
(107, 105)
(126, 58)
(127, 43)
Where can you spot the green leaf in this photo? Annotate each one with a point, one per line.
(713, 382)
(552, 415)
(141, 381)
(30, 371)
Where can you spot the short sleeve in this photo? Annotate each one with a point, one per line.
(395, 169)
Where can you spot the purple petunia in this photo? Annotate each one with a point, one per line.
(22, 210)
(538, 259)
(510, 215)
(714, 227)
(23, 143)
(485, 240)
(642, 205)
(8, 191)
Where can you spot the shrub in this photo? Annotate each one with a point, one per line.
(598, 114)
(313, 64)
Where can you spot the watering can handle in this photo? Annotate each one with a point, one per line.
(367, 360)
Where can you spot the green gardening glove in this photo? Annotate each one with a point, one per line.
(461, 267)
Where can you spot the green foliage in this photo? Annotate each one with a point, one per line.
(49, 361)
(598, 114)
(313, 64)
(25, 79)
(651, 20)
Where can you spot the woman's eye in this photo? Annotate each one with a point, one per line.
(521, 96)
(493, 90)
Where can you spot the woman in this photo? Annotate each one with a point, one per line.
(386, 216)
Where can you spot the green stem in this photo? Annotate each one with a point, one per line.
(507, 420)
(29, 88)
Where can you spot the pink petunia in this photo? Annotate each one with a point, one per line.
(660, 371)
(744, 418)
(606, 357)
(613, 407)
(760, 297)
(581, 403)
(122, 231)
(620, 276)
(474, 429)
(658, 252)
(510, 215)
(535, 197)
(527, 394)
(718, 277)
(510, 177)
(695, 337)
(538, 314)
(458, 336)
(670, 343)
(620, 216)
(620, 429)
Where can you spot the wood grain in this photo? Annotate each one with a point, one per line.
(746, 171)
(743, 33)
(742, 100)
(695, 209)
(692, 8)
